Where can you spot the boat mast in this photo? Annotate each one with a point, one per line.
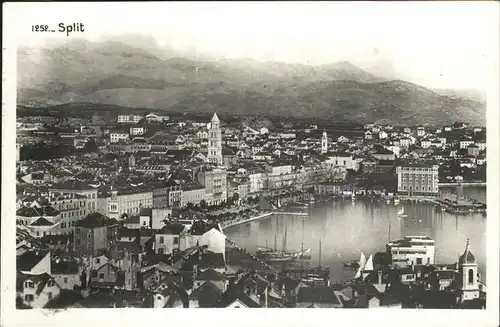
(275, 247)
(284, 241)
(319, 261)
(301, 257)
(389, 230)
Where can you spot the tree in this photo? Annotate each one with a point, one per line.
(90, 146)
(235, 198)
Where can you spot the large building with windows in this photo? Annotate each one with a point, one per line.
(418, 179)
(214, 181)
(411, 251)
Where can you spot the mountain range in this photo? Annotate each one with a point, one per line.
(135, 72)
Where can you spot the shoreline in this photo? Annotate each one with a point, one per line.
(462, 184)
(243, 221)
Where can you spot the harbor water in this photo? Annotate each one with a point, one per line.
(345, 228)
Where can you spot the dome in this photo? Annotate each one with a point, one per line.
(467, 257)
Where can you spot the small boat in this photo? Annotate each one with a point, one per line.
(305, 254)
(396, 201)
(351, 264)
(279, 258)
(388, 201)
(401, 213)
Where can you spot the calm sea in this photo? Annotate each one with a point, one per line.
(345, 229)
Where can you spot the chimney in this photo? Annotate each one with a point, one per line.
(380, 277)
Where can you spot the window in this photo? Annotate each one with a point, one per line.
(65, 280)
(29, 284)
(29, 297)
(77, 241)
(161, 240)
(50, 283)
(50, 295)
(419, 261)
(101, 276)
(97, 261)
(471, 276)
(176, 240)
(93, 273)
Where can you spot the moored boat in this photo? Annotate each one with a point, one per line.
(353, 264)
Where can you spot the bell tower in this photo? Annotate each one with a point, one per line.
(215, 141)
(324, 143)
(468, 279)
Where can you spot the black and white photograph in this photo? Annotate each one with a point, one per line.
(273, 155)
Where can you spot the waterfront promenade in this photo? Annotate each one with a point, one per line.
(239, 221)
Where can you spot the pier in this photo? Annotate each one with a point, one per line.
(243, 221)
(291, 213)
(317, 275)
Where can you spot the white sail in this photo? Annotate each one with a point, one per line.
(362, 261)
(369, 264)
(358, 273)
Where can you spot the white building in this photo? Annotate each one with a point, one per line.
(215, 183)
(256, 182)
(418, 179)
(136, 130)
(116, 137)
(129, 119)
(382, 135)
(464, 144)
(411, 251)
(126, 201)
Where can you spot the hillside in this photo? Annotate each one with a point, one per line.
(117, 73)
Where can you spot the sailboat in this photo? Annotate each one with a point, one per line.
(279, 256)
(363, 269)
(401, 213)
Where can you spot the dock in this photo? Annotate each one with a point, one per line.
(291, 213)
(319, 275)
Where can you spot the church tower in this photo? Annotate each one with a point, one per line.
(324, 143)
(215, 141)
(468, 280)
(131, 162)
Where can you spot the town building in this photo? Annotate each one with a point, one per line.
(94, 234)
(418, 179)
(125, 200)
(129, 119)
(76, 187)
(411, 251)
(215, 183)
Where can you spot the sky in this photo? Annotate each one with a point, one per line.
(436, 44)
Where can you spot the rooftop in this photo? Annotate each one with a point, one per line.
(95, 220)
